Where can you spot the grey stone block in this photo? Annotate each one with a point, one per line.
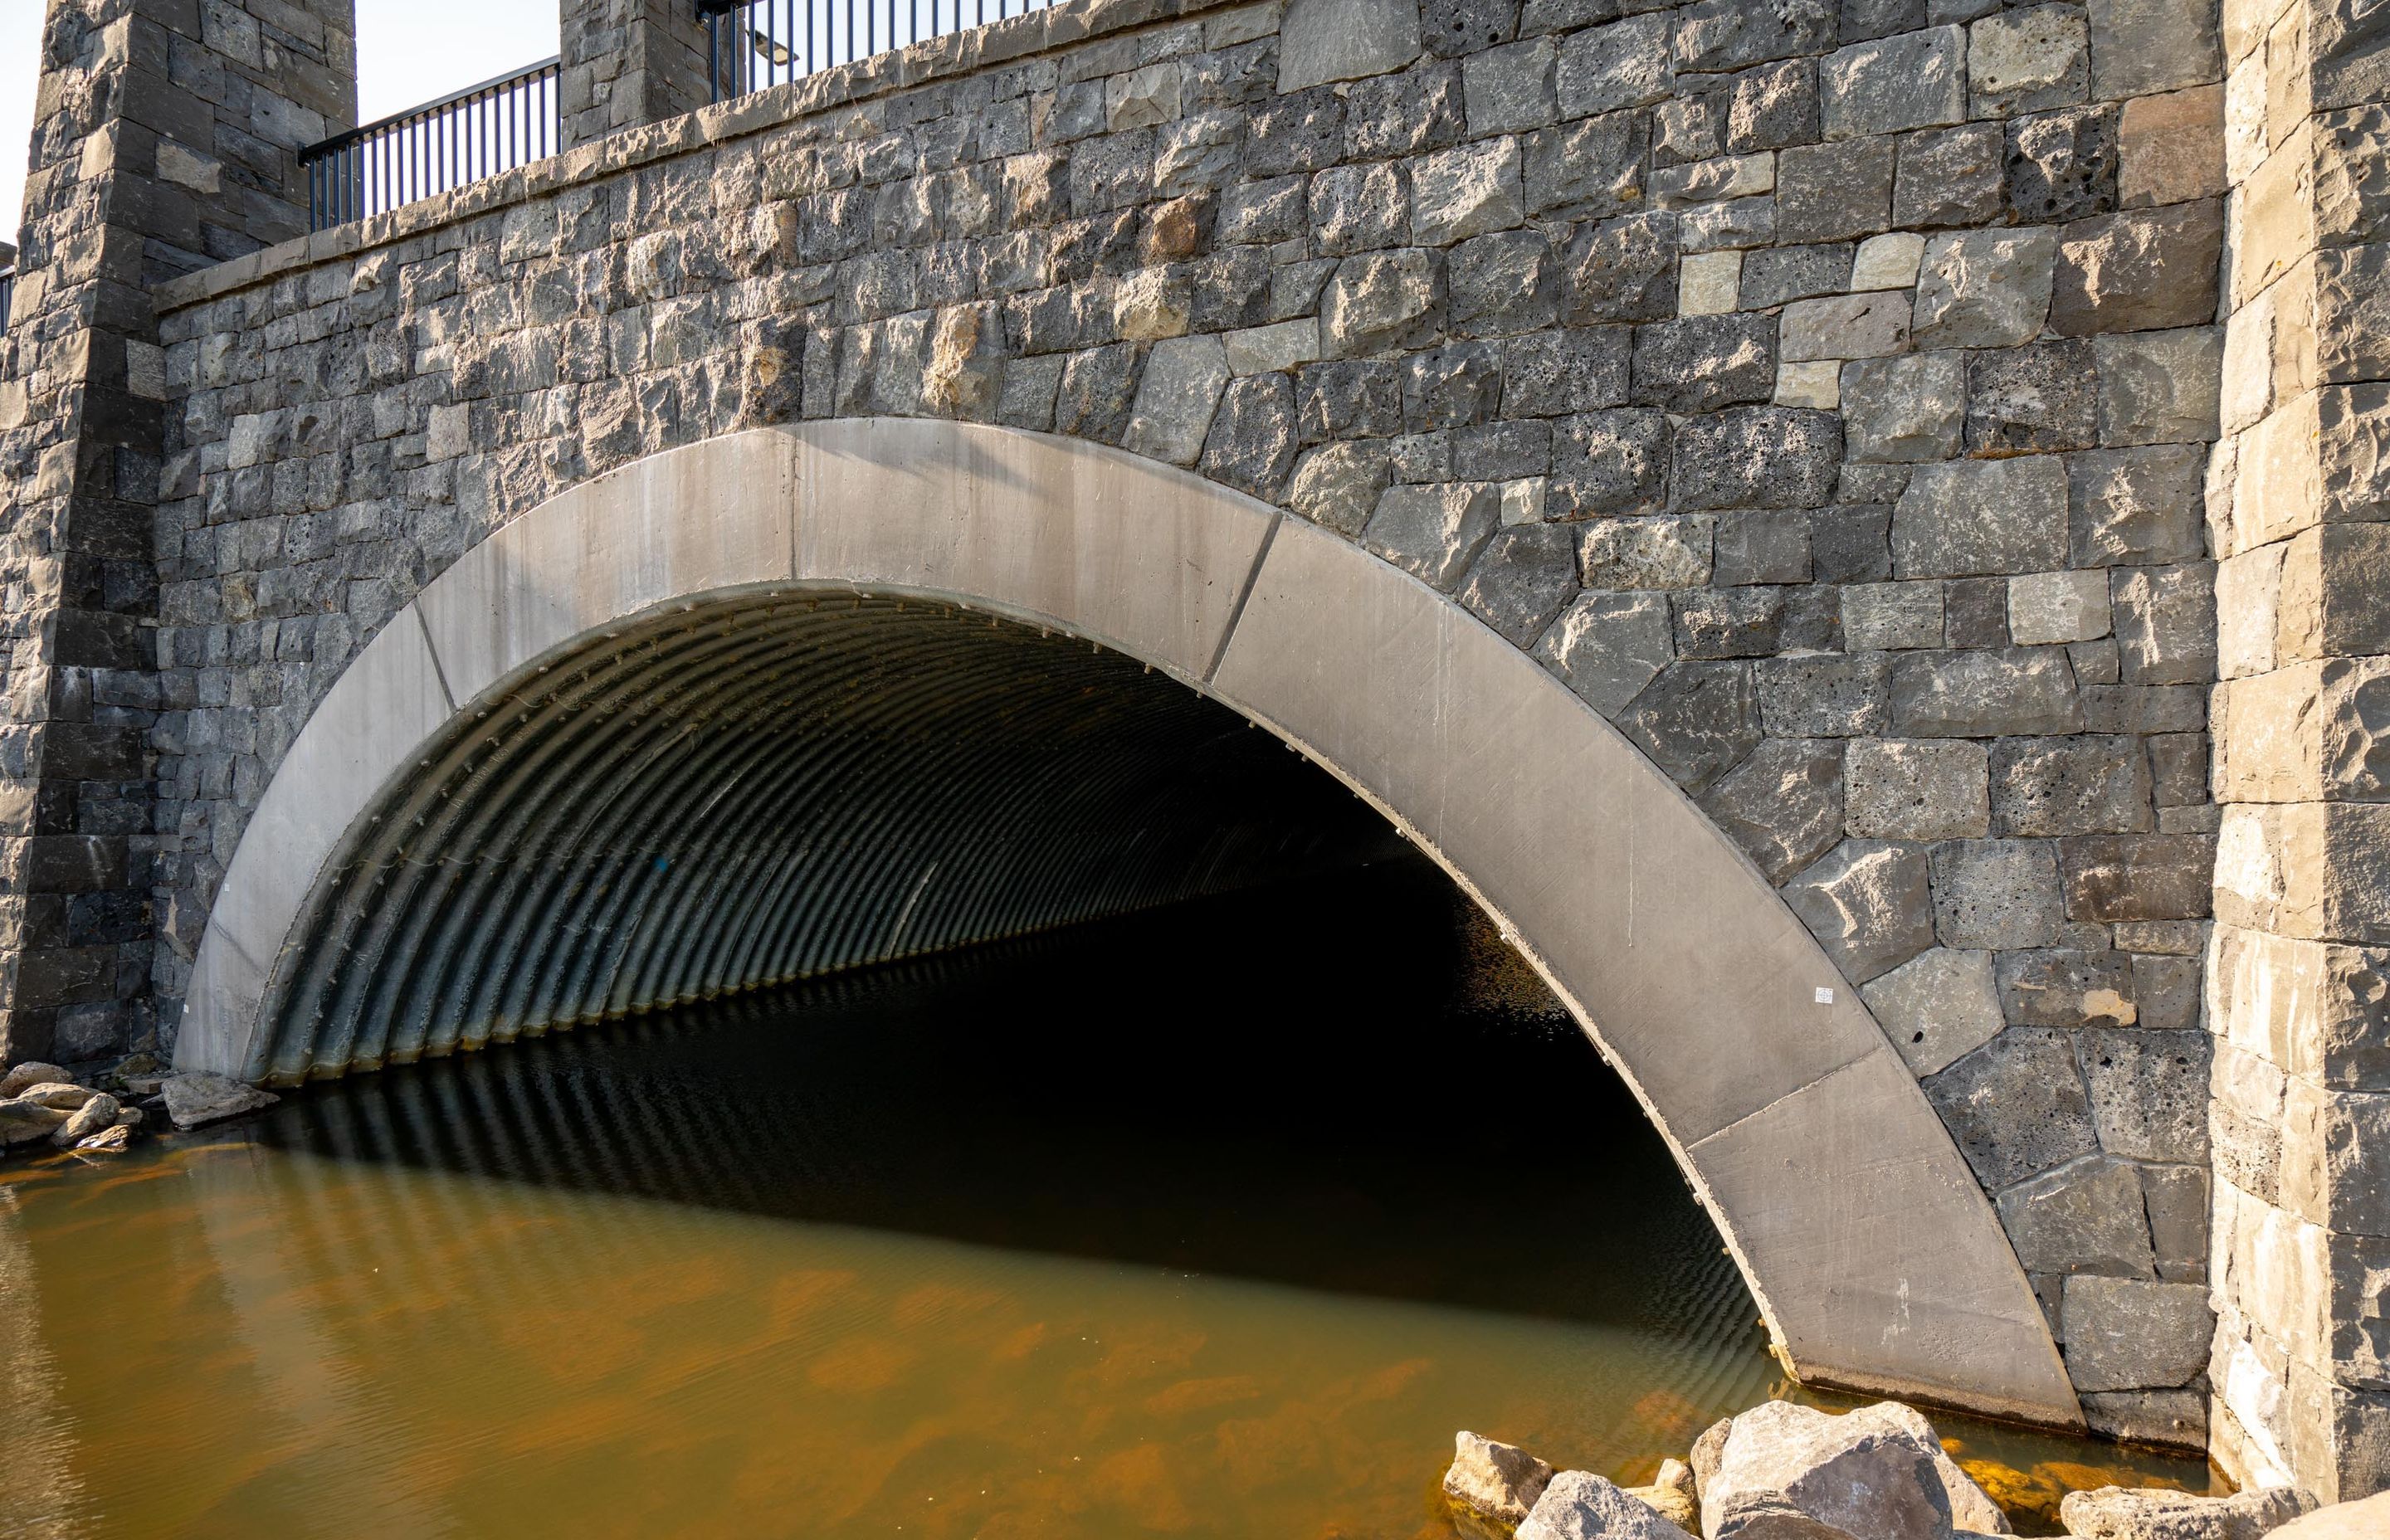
(1910, 80)
(1359, 208)
(1755, 458)
(1729, 623)
(1986, 694)
(1624, 64)
(1331, 39)
(1726, 34)
(1823, 693)
(1418, 109)
(2036, 399)
(1523, 579)
(1472, 190)
(1783, 805)
(1835, 191)
(1907, 409)
(1607, 646)
(1452, 387)
(2016, 1106)
(2086, 1216)
(1776, 275)
(2131, 507)
(2058, 606)
(1773, 106)
(1761, 545)
(1251, 442)
(2127, 1334)
(1949, 177)
(1916, 789)
(1850, 544)
(1866, 902)
(1697, 720)
(1644, 553)
(2065, 987)
(1380, 301)
(1995, 893)
(2143, 45)
(1701, 362)
(1434, 531)
(1968, 517)
(1985, 289)
(1897, 616)
(1611, 463)
(1588, 170)
(1620, 270)
(2138, 271)
(2165, 622)
(2062, 165)
(1846, 326)
(1509, 90)
(1336, 485)
(2133, 876)
(2159, 387)
(1937, 1007)
(2026, 59)
(1452, 28)
(1184, 377)
(2149, 1092)
(1338, 400)
(1502, 285)
(2089, 784)
(1556, 373)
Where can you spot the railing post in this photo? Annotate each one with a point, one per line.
(627, 63)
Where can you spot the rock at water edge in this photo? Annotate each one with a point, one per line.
(1496, 1479)
(2151, 1513)
(1579, 1505)
(199, 1099)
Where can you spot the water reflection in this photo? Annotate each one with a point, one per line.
(1214, 1223)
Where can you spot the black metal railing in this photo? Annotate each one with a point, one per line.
(479, 132)
(753, 44)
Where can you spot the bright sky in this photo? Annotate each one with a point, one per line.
(408, 51)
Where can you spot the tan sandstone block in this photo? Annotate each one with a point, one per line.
(2274, 218)
(2277, 489)
(2171, 146)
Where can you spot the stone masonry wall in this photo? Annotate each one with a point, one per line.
(164, 142)
(623, 63)
(2295, 500)
(1822, 391)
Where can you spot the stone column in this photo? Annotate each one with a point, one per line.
(627, 63)
(166, 140)
(2299, 976)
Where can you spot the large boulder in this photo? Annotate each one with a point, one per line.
(1499, 1480)
(98, 1113)
(2150, 1513)
(1579, 1504)
(23, 1122)
(31, 1072)
(2365, 1519)
(65, 1096)
(1786, 1472)
(197, 1099)
(1672, 1494)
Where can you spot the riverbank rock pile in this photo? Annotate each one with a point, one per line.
(1781, 1471)
(97, 1112)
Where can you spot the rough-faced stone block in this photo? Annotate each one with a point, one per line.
(2129, 506)
(2028, 59)
(1337, 485)
(1995, 893)
(2125, 877)
(1725, 34)
(1697, 720)
(1783, 805)
(1433, 531)
(1624, 64)
(1700, 363)
(1523, 579)
(1184, 377)
(1384, 300)
(2089, 784)
(1966, 517)
(2058, 606)
(1509, 90)
(1868, 903)
(1588, 170)
(1756, 457)
(1892, 615)
(2034, 399)
(1761, 545)
(1835, 191)
(2159, 387)
(2125, 1333)
(2138, 271)
(2170, 147)
(1330, 40)
(1949, 177)
(1937, 1007)
(2165, 622)
(1644, 553)
(1985, 693)
(2149, 1092)
(1502, 284)
(2086, 1216)
(1359, 208)
(1252, 442)
(1607, 646)
(1846, 326)
(1903, 410)
(1987, 288)
(2062, 165)
(2352, 173)
(1620, 270)
(1472, 189)
(1775, 275)
(2138, 46)
(1912, 80)
(1913, 789)
(1823, 693)
(2016, 1106)
(1611, 463)
(1773, 106)
(1729, 623)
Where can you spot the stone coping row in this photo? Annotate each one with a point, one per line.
(916, 64)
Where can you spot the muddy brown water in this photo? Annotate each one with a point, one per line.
(1213, 1222)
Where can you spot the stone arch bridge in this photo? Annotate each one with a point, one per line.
(1848, 529)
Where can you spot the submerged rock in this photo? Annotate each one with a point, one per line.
(1672, 1494)
(23, 1122)
(96, 1115)
(1780, 1471)
(1579, 1504)
(194, 1099)
(1499, 1480)
(113, 1140)
(31, 1072)
(2149, 1513)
